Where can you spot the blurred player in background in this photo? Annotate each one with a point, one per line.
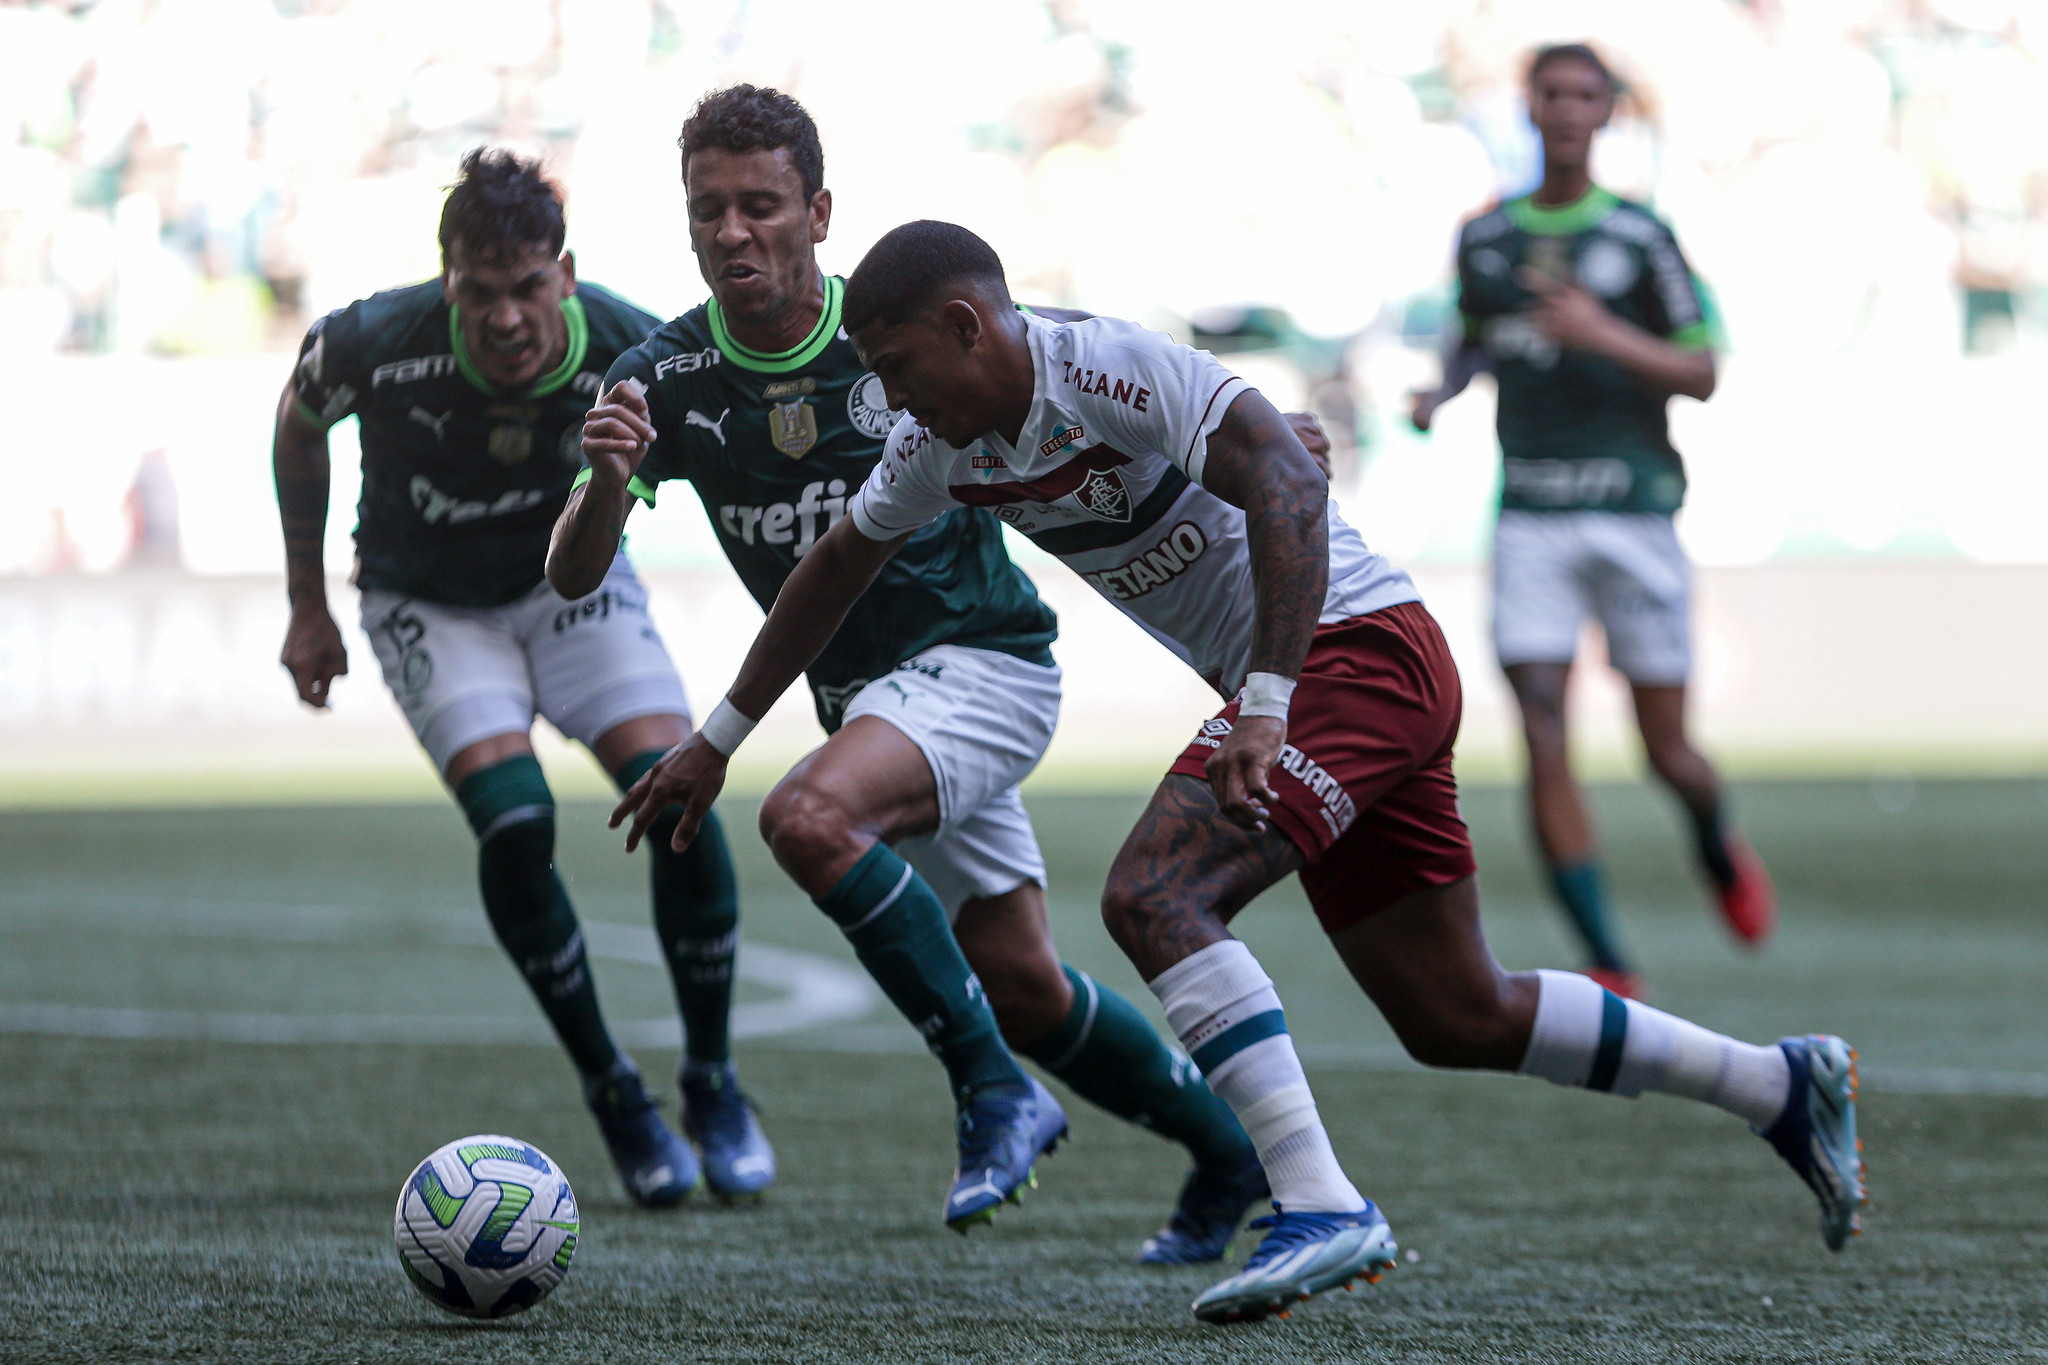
(1588, 316)
(938, 696)
(1179, 493)
(471, 392)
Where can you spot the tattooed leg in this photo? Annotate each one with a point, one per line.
(1183, 873)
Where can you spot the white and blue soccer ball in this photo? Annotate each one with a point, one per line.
(486, 1226)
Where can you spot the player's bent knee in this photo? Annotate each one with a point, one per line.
(803, 827)
(1124, 910)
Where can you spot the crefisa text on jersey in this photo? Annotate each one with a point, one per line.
(781, 523)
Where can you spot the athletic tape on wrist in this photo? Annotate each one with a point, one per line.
(726, 726)
(1266, 694)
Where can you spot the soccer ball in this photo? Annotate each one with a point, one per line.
(486, 1226)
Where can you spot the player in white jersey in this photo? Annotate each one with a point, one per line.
(1333, 758)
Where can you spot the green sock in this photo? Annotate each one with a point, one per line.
(899, 931)
(696, 916)
(1112, 1057)
(513, 813)
(1712, 841)
(1584, 896)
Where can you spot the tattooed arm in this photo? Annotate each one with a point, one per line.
(1256, 462)
(313, 651)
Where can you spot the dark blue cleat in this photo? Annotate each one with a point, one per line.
(658, 1168)
(1817, 1132)
(1002, 1135)
(738, 1162)
(1212, 1203)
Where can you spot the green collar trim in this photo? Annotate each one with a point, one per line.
(797, 356)
(572, 358)
(1561, 220)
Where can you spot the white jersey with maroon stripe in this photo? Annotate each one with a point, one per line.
(1106, 475)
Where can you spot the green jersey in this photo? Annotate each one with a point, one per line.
(1577, 430)
(462, 481)
(774, 445)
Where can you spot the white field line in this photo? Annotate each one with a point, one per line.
(816, 992)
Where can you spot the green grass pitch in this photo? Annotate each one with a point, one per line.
(171, 1199)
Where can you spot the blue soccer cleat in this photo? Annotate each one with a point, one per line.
(738, 1162)
(1817, 1132)
(1002, 1136)
(658, 1168)
(1303, 1254)
(1212, 1203)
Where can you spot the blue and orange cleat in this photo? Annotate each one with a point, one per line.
(1002, 1135)
(1212, 1203)
(1303, 1254)
(657, 1168)
(1817, 1132)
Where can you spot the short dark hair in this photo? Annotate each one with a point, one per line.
(500, 205)
(753, 118)
(1572, 52)
(912, 263)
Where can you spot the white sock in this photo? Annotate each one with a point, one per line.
(1223, 1008)
(1586, 1037)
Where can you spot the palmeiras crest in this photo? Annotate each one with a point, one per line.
(1105, 496)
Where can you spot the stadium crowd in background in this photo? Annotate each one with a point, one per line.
(147, 210)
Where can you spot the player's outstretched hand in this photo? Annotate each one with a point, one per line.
(617, 432)
(1313, 438)
(690, 775)
(313, 654)
(1239, 768)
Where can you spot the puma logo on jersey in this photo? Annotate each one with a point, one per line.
(436, 507)
(1163, 563)
(694, 418)
(437, 425)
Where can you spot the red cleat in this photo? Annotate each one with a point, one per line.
(1751, 905)
(1627, 985)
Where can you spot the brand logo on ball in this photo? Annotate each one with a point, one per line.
(1105, 496)
(867, 407)
(486, 1226)
(793, 428)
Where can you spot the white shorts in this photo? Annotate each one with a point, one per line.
(1551, 570)
(464, 674)
(982, 720)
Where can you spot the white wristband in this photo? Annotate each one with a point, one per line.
(726, 726)
(1266, 694)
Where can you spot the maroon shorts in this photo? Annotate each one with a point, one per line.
(1364, 782)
